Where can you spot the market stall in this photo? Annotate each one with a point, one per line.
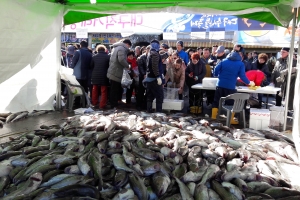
(179, 151)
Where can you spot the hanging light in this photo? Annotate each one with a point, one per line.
(93, 1)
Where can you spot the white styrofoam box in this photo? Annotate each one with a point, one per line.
(277, 115)
(170, 104)
(209, 82)
(259, 118)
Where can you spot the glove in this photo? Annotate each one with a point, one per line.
(279, 79)
(159, 82)
(252, 84)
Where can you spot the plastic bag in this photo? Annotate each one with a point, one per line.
(67, 75)
(171, 93)
(126, 80)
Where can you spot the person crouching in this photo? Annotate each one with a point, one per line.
(177, 76)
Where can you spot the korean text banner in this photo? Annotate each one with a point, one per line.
(167, 22)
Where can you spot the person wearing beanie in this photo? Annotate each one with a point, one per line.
(227, 71)
(182, 54)
(118, 62)
(155, 78)
(280, 66)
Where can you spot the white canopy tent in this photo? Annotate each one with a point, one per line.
(30, 51)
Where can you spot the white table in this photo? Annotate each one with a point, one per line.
(262, 90)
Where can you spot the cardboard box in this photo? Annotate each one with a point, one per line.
(170, 104)
(259, 118)
(209, 82)
(277, 116)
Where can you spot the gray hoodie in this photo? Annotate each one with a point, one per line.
(118, 61)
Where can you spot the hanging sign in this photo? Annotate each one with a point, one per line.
(81, 33)
(198, 35)
(170, 36)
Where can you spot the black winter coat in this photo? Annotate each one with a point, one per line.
(264, 69)
(100, 64)
(198, 70)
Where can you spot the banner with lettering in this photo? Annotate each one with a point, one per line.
(106, 38)
(156, 23)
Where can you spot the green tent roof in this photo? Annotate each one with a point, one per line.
(278, 12)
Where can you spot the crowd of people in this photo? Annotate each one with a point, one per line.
(156, 66)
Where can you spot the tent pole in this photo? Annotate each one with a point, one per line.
(290, 65)
(58, 87)
(296, 126)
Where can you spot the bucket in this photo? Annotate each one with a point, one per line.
(196, 109)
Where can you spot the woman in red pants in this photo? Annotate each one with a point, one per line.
(100, 64)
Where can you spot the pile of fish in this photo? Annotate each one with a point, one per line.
(121, 155)
(6, 118)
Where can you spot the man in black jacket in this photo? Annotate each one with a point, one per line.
(154, 79)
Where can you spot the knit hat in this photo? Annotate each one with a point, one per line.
(180, 42)
(164, 55)
(165, 46)
(154, 45)
(285, 49)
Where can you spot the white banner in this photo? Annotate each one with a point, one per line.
(170, 36)
(198, 35)
(217, 35)
(82, 33)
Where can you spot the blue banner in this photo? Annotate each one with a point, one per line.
(207, 23)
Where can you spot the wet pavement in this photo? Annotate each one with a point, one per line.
(32, 123)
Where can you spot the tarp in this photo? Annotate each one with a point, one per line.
(30, 35)
(277, 12)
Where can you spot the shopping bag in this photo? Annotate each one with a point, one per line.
(126, 80)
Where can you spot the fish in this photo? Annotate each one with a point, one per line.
(280, 192)
(222, 192)
(184, 190)
(12, 117)
(201, 192)
(78, 190)
(29, 186)
(122, 155)
(138, 186)
(160, 183)
(234, 190)
(119, 163)
(20, 116)
(124, 194)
